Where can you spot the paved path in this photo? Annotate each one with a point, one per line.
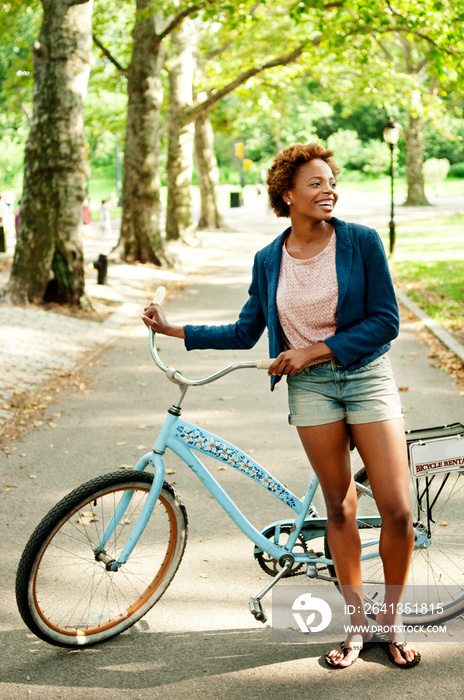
(200, 640)
(35, 343)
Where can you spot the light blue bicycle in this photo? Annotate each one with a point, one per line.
(106, 553)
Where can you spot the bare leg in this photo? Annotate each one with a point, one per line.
(382, 447)
(327, 447)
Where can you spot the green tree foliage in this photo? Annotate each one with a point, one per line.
(20, 27)
(353, 63)
(106, 104)
(413, 49)
(447, 141)
(373, 59)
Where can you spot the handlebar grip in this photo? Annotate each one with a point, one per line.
(159, 295)
(264, 364)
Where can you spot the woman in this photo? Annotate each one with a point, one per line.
(324, 292)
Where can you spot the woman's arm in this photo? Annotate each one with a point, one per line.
(245, 332)
(241, 335)
(368, 316)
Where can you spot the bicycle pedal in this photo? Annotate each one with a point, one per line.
(311, 571)
(256, 608)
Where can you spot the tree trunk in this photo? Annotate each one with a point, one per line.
(141, 237)
(181, 132)
(183, 113)
(48, 263)
(208, 174)
(414, 136)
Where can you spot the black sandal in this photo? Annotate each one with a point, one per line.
(345, 649)
(401, 646)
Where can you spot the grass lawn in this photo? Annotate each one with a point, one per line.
(428, 265)
(449, 187)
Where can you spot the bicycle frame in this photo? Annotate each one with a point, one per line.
(68, 599)
(182, 438)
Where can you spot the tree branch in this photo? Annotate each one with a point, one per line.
(108, 55)
(409, 30)
(217, 95)
(221, 49)
(426, 38)
(384, 49)
(407, 53)
(422, 64)
(175, 21)
(214, 53)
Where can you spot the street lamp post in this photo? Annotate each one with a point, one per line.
(391, 135)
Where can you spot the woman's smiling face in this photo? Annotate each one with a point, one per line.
(313, 194)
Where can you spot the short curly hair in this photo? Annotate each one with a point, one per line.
(281, 175)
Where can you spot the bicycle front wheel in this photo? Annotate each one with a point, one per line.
(65, 595)
(435, 586)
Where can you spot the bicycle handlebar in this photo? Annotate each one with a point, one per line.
(159, 296)
(174, 375)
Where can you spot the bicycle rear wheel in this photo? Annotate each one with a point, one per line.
(436, 576)
(68, 598)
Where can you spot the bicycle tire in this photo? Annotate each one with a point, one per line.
(68, 598)
(436, 575)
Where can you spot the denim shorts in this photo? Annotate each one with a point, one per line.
(326, 393)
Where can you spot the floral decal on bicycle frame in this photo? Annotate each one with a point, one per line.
(225, 452)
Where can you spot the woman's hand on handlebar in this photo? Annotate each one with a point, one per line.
(154, 318)
(293, 361)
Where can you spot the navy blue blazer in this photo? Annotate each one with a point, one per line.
(367, 312)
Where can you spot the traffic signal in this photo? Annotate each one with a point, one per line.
(239, 149)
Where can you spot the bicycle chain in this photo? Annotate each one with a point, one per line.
(292, 572)
(297, 571)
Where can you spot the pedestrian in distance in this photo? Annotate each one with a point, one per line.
(105, 217)
(17, 215)
(86, 217)
(3, 212)
(324, 292)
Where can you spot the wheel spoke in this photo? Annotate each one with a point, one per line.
(437, 571)
(68, 597)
